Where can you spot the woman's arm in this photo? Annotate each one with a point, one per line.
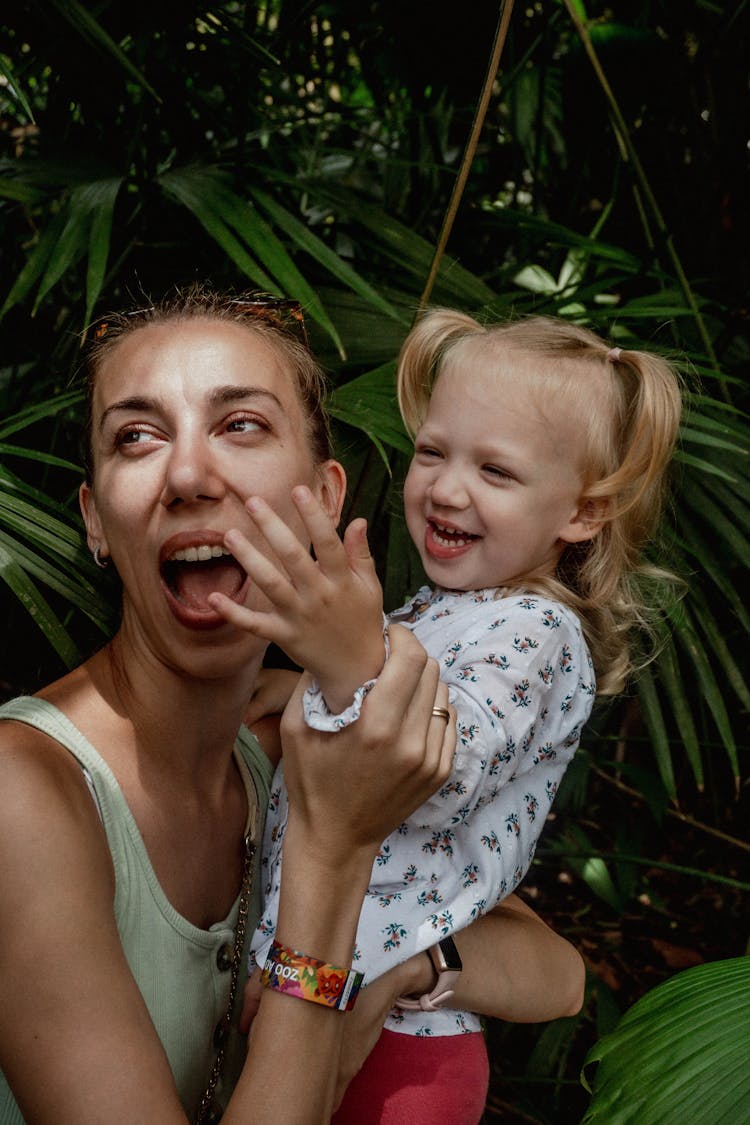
(76, 1041)
(516, 968)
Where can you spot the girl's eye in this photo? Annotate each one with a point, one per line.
(498, 473)
(427, 451)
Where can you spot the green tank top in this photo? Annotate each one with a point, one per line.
(179, 968)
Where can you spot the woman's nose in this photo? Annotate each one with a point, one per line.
(192, 473)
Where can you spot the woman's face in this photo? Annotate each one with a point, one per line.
(190, 418)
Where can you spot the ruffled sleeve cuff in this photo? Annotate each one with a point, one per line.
(315, 709)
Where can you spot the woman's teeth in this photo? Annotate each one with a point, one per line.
(199, 554)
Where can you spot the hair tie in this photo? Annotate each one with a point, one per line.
(614, 354)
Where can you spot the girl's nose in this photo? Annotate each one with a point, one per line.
(192, 473)
(449, 489)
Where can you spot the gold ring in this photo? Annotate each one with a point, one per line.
(441, 713)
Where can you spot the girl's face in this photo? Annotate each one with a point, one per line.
(190, 418)
(495, 487)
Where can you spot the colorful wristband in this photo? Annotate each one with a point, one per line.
(296, 974)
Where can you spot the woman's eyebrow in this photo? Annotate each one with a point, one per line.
(235, 392)
(218, 397)
(133, 403)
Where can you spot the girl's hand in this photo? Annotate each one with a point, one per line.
(325, 613)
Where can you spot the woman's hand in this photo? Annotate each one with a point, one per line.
(350, 789)
(347, 791)
(325, 613)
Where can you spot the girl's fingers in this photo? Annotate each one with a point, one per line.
(285, 545)
(263, 572)
(259, 624)
(324, 537)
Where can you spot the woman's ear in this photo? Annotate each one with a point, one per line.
(94, 535)
(587, 521)
(332, 478)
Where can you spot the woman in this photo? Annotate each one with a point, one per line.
(120, 925)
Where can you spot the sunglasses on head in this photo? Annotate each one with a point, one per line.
(281, 312)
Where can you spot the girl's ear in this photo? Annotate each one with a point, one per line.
(587, 521)
(95, 536)
(332, 490)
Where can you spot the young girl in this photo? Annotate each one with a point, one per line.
(537, 478)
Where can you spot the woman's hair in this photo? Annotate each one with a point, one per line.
(628, 406)
(274, 320)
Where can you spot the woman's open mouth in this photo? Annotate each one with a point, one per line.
(190, 573)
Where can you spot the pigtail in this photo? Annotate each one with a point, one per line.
(613, 587)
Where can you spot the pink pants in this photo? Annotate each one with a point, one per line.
(415, 1080)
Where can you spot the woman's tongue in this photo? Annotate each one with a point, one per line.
(192, 582)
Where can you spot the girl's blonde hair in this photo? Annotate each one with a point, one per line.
(628, 404)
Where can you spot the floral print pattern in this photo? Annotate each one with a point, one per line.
(520, 678)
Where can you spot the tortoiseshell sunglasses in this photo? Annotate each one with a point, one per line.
(282, 312)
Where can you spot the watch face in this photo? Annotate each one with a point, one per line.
(445, 956)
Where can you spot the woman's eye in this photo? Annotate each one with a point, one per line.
(134, 437)
(245, 425)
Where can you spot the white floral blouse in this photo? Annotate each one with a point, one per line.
(521, 680)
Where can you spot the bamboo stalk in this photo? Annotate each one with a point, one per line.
(506, 9)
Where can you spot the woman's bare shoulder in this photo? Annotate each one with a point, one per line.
(41, 782)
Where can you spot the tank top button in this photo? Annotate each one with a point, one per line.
(225, 957)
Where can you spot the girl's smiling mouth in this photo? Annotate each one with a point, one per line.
(444, 542)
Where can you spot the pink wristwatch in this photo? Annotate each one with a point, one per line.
(447, 964)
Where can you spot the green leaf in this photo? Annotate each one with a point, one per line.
(93, 32)
(686, 636)
(37, 455)
(323, 254)
(35, 265)
(679, 1054)
(590, 867)
(195, 191)
(652, 712)
(73, 587)
(672, 682)
(38, 609)
(13, 88)
(369, 404)
(99, 238)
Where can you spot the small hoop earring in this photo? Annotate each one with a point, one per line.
(100, 562)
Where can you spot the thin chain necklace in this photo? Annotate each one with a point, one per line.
(207, 1111)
